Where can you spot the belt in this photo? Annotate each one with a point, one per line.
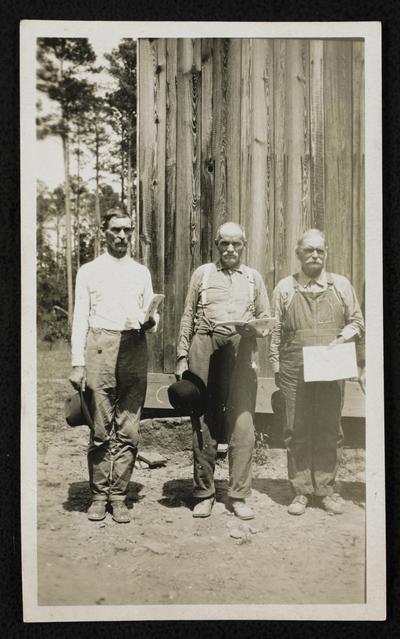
(132, 331)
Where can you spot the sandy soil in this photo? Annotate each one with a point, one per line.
(164, 555)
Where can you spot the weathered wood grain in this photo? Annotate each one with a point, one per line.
(245, 134)
(268, 132)
(207, 157)
(317, 131)
(233, 76)
(338, 154)
(358, 164)
(219, 131)
(187, 244)
(171, 319)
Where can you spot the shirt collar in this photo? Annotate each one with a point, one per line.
(305, 280)
(221, 268)
(116, 259)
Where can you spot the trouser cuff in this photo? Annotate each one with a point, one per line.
(112, 498)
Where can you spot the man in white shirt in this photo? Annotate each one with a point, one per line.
(312, 308)
(109, 359)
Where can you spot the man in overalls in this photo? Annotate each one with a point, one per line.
(312, 308)
(224, 359)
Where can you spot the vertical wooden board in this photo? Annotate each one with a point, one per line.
(260, 225)
(233, 62)
(338, 153)
(171, 320)
(187, 246)
(245, 134)
(292, 137)
(281, 246)
(317, 133)
(146, 147)
(207, 157)
(358, 235)
(219, 132)
(154, 192)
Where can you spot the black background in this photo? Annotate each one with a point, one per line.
(234, 10)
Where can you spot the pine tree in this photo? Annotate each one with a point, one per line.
(122, 102)
(61, 62)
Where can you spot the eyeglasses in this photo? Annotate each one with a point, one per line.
(126, 229)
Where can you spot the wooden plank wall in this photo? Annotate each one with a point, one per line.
(269, 133)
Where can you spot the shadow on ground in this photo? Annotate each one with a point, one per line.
(179, 492)
(79, 496)
(280, 492)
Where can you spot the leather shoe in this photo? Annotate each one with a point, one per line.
(333, 504)
(120, 513)
(298, 505)
(97, 510)
(241, 509)
(204, 507)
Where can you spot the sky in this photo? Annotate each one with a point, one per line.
(50, 167)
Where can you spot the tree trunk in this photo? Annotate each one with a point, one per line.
(129, 179)
(65, 143)
(122, 170)
(78, 203)
(97, 200)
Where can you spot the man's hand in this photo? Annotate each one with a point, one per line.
(337, 340)
(78, 377)
(149, 324)
(362, 378)
(248, 331)
(181, 367)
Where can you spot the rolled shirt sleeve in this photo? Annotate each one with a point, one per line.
(261, 301)
(186, 328)
(147, 296)
(80, 322)
(352, 312)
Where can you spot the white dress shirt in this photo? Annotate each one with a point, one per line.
(110, 293)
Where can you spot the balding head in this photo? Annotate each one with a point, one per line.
(230, 241)
(230, 228)
(310, 235)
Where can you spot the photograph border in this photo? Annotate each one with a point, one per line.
(375, 606)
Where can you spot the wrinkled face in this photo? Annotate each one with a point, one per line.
(230, 245)
(118, 236)
(312, 255)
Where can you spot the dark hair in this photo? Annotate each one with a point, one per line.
(116, 211)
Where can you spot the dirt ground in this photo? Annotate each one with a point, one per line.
(164, 555)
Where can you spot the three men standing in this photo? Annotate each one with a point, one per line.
(224, 359)
(109, 358)
(312, 308)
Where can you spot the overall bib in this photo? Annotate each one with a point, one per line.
(312, 410)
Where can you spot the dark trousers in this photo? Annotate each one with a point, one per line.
(312, 431)
(116, 368)
(226, 366)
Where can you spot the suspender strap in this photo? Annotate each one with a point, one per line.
(206, 276)
(207, 268)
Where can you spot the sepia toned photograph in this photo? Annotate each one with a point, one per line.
(202, 382)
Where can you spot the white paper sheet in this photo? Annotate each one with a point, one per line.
(323, 364)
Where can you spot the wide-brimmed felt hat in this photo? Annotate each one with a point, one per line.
(76, 409)
(188, 396)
